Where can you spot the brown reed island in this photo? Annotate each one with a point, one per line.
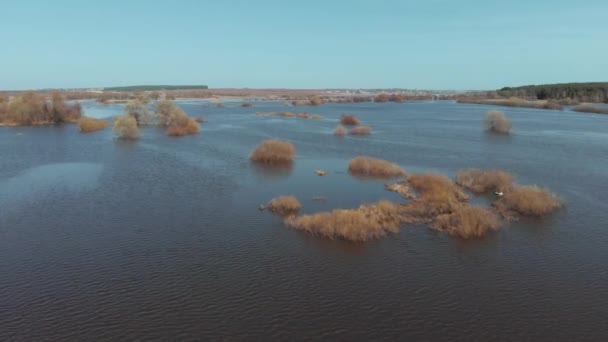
(88, 125)
(273, 152)
(364, 166)
(433, 199)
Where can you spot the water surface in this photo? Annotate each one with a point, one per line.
(161, 239)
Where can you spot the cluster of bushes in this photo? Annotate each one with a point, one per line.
(481, 182)
(351, 120)
(467, 222)
(590, 109)
(438, 200)
(175, 120)
(497, 122)
(87, 124)
(302, 115)
(375, 168)
(284, 206)
(273, 152)
(365, 223)
(30, 108)
(340, 131)
(125, 127)
(166, 114)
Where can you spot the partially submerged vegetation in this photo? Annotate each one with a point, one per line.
(285, 114)
(340, 131)
(497, 122)
(30, 108)
(467, 222)
(349, 120)
(368, 222)
(481, 182)
(175, 120)
(273, 152)
(527, 201)
(87, 124)
(360, 130)
(375, 168)
(125, 127)
(590, 109)
(436, 195)
(284, 206)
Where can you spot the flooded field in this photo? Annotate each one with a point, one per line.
(161, 238)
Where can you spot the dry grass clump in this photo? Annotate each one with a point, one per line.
(350, 120)
(590, 109)
(315, 101)
(30, 108)
(125, 127)
(373, 167)
(360, 130)
(87, 125)
(361, 224)
(528, 201)
(273, 152)
(316, 117)
(303, 115)
(284, 206)
(279, 114)
(402, 188)
(177, 122)
(186, 126)
(467, 222)
(481, 182)
(340, 131)
(437, 195)
(497, 122)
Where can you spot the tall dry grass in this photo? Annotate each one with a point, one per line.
(30, 108)
(480, 181)
(360, 130)
(273, 152)
(590, 109)
(176, 121)
(467, 222)
(125, 127)
(349, 120)
(436, 195)
(340, 131)
(497, 122)
(528, 201)
(373, 167)
(361, 224)
(186, 126)
(87, 124)
(284, 205)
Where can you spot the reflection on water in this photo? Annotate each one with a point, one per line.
(161, 239)
(271, 172)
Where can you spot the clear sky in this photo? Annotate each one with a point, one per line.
(424, 44)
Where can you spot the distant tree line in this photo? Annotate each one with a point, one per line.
(581, 92)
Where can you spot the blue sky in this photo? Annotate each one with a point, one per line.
(430, 44)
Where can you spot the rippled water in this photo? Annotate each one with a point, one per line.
(161, 238)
